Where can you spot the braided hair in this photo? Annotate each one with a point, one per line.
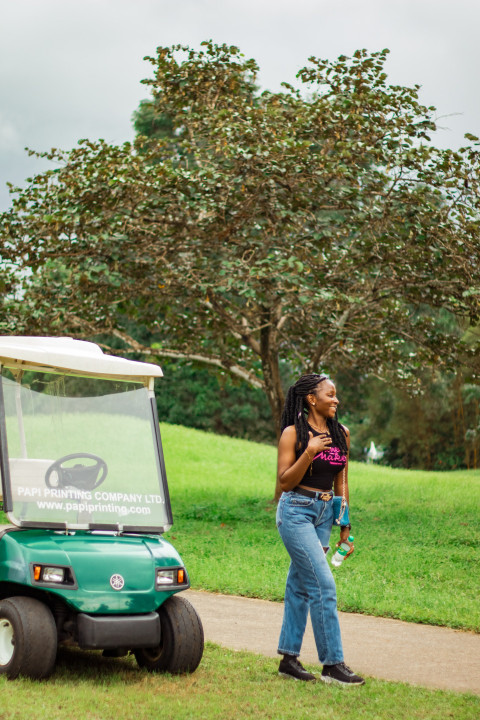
(296, 408)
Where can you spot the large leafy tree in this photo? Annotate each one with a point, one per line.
(318, 226)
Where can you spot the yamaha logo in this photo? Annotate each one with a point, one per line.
(117, 582)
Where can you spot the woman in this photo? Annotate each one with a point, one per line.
(312, 456)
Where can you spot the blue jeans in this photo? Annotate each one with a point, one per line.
(304, 525)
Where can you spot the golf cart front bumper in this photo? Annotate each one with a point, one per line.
(113, 631)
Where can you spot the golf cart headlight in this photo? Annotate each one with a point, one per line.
(171, 577)
(166, 577)
(53, 574)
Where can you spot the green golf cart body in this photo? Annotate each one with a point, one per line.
(83, 560)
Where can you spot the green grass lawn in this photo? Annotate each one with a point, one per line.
(227, 685)
(416, 533)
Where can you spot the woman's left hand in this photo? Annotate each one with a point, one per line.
(344, 539)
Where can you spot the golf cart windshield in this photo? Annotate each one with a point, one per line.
(81, 452)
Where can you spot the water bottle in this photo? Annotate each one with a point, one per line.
(342, 550)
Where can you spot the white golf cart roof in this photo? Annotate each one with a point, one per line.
(59, 354)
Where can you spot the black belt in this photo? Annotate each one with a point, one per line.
(324, 495)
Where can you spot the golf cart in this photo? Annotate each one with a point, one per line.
(82, 560)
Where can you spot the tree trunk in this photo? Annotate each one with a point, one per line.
(273, 385)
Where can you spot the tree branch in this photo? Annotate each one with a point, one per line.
(234, 370)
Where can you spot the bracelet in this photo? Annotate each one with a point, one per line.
(310, 459)
(346, 527)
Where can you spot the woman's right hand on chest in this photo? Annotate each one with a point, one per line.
(318, 443)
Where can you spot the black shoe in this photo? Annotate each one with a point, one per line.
(341, 675)
(290, 666)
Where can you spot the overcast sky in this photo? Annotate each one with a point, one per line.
(71, 69)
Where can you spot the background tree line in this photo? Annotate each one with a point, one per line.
(252, 232)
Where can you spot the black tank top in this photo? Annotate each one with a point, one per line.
(324, 467)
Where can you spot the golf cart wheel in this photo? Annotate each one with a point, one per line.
(181, 644)
(28, 638)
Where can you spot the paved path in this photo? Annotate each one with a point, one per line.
(382, 648)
